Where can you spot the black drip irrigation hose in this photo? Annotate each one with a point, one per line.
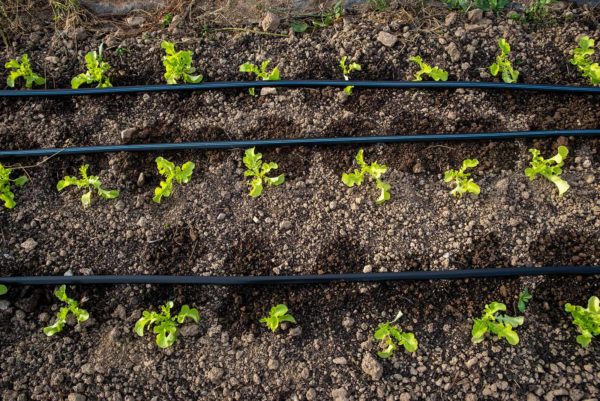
(361, 140)
(304, 279)
(300, 84)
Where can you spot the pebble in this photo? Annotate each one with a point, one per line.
(371, 366)
(340, 361)
(189, 330)
(270, 22)
(339, 394)
(273, 364)
(29, 245)
(214, 374)
(76, 397)
(387, 39)
(285, 225)
(311, 394)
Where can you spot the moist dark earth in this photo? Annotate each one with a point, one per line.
(312, 224)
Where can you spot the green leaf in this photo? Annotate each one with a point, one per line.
(524, 297)
(181, 175)
(352, 179)
(410, 342)
(279, 310)
(55, 328)
(3, 289)
(258, 169)
(583, 340)
(166, 334)
(478, 331)
(510, 320)
(19, 182)
(187, 312)
(299, 26)
(86, 199)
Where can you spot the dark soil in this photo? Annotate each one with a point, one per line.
(310, 224)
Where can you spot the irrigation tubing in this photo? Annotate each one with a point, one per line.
(303, 279)
(361, 140)
(300, 84)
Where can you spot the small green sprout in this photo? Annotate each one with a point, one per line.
(260, 73)
(501, 325)
(347, 69)
(375, 170)
(551, 169)
(277, 314)
(22, 69)
(587, 320)
(434, 72)
(492, 5)
(178, 65)
(61, 317)
(88, 182)
(96, 70)
(6, 194)
(165, 325)
(503, 64)
(391, 336)
(182, 175)
(582, 59)
(538, 10)
(463, 183)
(3, 289)
(258, 169)
(524, 298)
(167, 19)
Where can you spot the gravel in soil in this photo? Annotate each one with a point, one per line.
(311, 224)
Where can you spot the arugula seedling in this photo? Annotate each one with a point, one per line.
(524, 298)
(434, 72)
(182, 175)
(260, 73)
(3, 289)
(551, 169)
(500, 325)
(167, 19)
(96, 70)
(347, 69)
(463, 183)
(587, 320)
(22, 69)
(61, 317)
(391, 336)
(503, 64)
(165, 325)
(277, 314)
(88, 182)
(537, 10)
(178, 65)
(6, 194)
(375, 171)
(258, 169)
(582, 58)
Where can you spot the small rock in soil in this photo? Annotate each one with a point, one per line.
(214, 374)
(371, 367)
(29, 245)
(268, 91)
(475, 15)
(387, 39)
(76, 397)
(189, 330)
(270, 23)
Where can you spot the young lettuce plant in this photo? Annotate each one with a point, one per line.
(436, 73)
(6, 194)
(165, 325)
(3, 289)
(463, 183)
(551, 169)
(96, 71)
(22, 69)
(277, 314)
(524, 297)
(178, 65)
(503, 65)
(587, 320)
(182, 175)
(260, 73)
(258, 169)
(61, 317)
(391, 336)
(500, 325)
(347, 69)
(582, 58)
(90, 183)
(375, 171)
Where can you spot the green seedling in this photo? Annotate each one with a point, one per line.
(551, 169)
(379, 5)
(391, 336)
(178, 65)
(463, 183)
(500, 325)
(374, 170)
(538, 10)
(181, 175)
(261, 73)
(582, 58)
(90, 183)
(277, 314)
(22, 69)
(96, 71)
(524, 298)
(437, 74)
(492, 5)
(61, 317)
(167, 19)
(258, 169)
(587, 320)
(3, 289)
(322, 21)
(6, 194)
(347, 69)
(165, 325)
(460, 5)
(503, 65)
